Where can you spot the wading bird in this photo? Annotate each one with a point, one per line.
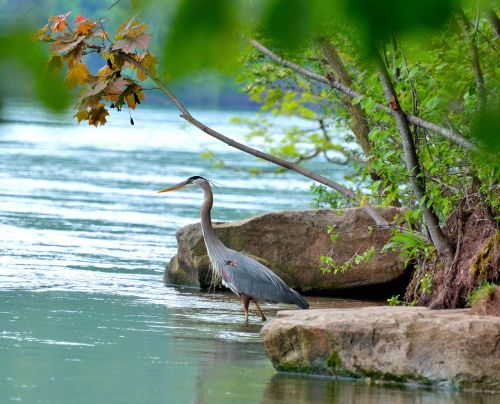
(246, 277)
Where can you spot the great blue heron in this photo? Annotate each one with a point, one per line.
(246, 277)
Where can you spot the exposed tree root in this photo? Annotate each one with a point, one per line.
(477, 259)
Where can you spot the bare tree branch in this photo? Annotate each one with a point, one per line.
(114, 4)
(185, 114)
(336, 84)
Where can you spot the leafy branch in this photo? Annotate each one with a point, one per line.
(335, 83)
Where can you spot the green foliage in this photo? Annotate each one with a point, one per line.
(288, 22)
(486, 130)
(25, 62)
(325, 198)
(411, 245)
(203, 35)
(425, 285)
(483, 292)
(328, 264)
(394, 301)
(378, 20)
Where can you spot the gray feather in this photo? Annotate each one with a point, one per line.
(243, 274)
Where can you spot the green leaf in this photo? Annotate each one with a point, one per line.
(20, 50)
(288, 22)
(203, 36)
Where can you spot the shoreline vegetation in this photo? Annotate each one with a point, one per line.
(433, 161)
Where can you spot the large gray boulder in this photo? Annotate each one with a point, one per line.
(291, 243)
(449, 348)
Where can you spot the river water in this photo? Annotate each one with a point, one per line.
(84, 238)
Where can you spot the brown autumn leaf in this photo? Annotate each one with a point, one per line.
(82, 115)
(104, 71)
(62, 47)
(134, 96)
(83, 25)
(131, 28)
(97, 115)
(77, 74)
(74, 56)
(129, 45)
(149, 61)
(115, 89)
(59, 22)
(97, 88)
(42, 34)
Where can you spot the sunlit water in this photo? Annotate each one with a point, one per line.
(84, 316)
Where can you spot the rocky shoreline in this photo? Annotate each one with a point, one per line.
(444, 348)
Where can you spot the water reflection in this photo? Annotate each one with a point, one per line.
(307, 390)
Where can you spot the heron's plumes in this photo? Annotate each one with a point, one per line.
(173, 187)
(299, 300)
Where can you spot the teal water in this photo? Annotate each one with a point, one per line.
(84, 238)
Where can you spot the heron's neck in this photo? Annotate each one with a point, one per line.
(211, 239)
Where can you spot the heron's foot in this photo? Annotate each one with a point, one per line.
(262, 315)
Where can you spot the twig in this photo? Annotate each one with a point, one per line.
(112, 5)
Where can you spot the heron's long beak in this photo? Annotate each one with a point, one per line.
(173, 187)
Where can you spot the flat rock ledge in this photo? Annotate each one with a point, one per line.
(447, 348)
(291, 243)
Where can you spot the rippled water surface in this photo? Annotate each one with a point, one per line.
(84, 316)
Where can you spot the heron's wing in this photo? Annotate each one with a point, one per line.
(248, 276)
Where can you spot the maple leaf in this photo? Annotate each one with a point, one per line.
(42, 34)
(95, 89)
(149, 61)
(97, 115)
(65, 46)
(84, 25)
(55, 63)
(82, 115)
(134, 96)
(74, 56)
(78, 74)
(59, 22)
(131, 28)
(104, 71)
(115, 89)
(128, 44)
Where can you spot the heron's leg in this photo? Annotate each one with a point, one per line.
(246, 301)
(262, 315)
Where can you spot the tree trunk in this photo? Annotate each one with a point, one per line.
(359, 123)
(439, 240)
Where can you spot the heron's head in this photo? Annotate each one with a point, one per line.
(189, 183)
